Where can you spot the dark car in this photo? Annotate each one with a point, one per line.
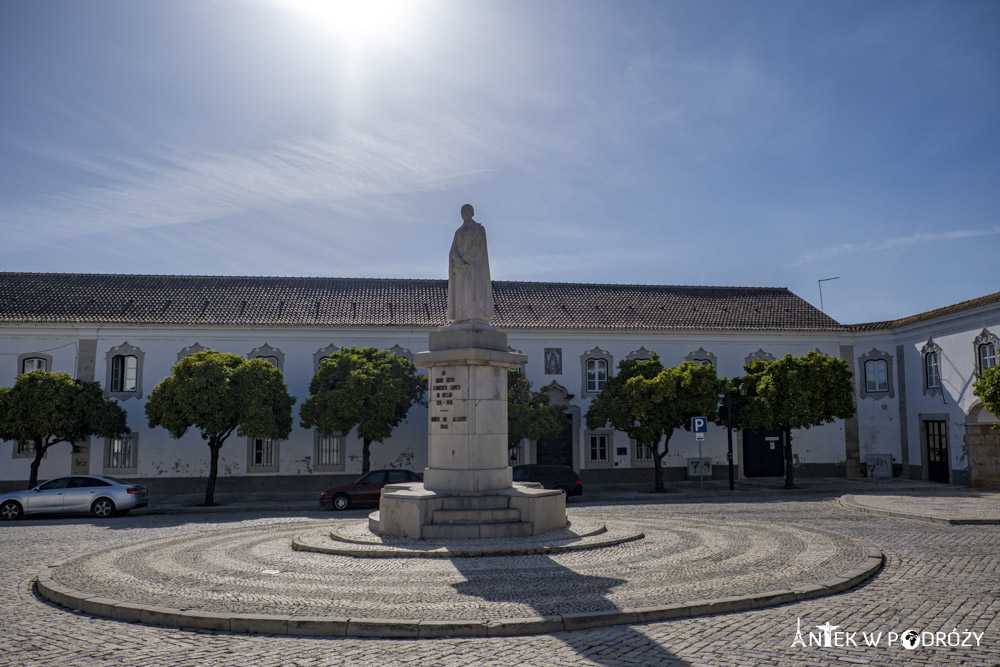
(562, 478)
(99, 495)
(365, 490)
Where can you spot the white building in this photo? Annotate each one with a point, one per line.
(913, 376)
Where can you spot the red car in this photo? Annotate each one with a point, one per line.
(365, 490)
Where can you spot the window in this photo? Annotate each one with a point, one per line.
(598, 448)
(702, 362)
(702, 357)
(932, 371)
(263, 455)
(271, 355)
(876, 375)
(24, 449)
(120, 453)
(987, 356)
(124, 379)
(643, 453)
(271, 360)
(34, 364)
(985, 349)
(124, 372)
(331, 450)
(597, 375)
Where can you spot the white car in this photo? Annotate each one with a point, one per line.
(75, 494)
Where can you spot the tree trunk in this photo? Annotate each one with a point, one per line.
(213, 472)
(658, 464)
(789, 472)
(39, 453)
(366, 456)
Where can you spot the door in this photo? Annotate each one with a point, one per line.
(49, 496)
(938, 468)
(558, 450)
(763, 453)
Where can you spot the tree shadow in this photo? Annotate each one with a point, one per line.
(553, 590)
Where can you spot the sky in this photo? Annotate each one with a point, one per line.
(707, 142)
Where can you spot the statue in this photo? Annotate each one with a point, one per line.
(470, 293)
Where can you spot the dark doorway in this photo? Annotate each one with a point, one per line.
(763, 454)
(937, 451)
(558, 450)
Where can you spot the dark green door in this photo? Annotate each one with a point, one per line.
(763, 454)
(558, 450)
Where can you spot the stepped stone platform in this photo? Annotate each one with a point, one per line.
(249, 579)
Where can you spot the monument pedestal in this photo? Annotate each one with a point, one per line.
(468, 489)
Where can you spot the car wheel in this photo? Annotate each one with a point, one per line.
(341, 502)
(11, 510)
(565, 492)
(103, 508)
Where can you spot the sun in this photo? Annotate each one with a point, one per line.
(356, 24)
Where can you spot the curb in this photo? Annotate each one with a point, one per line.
(849, 502)
(393, 628)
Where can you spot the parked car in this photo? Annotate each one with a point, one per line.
(562, 478)
(365, 490)
(76, 494)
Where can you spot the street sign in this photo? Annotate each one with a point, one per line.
(699, 424)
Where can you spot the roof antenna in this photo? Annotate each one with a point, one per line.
(820, 283)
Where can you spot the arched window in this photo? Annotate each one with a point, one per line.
(124, 372)
(597, 375)
(34, 364)
(876, 375)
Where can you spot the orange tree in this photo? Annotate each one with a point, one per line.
(220, 393)
(649, 402)
(366, 388)
(987, 388)
(48, 408)
(794, 393)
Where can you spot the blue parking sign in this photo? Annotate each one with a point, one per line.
(699, 424)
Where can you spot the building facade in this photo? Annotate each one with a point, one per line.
(913, 376)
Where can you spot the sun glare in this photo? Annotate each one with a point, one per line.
(357, 24)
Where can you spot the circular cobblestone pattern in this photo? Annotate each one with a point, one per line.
(684, 567)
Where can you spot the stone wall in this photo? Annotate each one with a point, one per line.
(984, 455)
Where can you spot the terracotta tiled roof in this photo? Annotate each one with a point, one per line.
(930, 314)
(192, 300)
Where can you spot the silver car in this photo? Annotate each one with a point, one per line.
(86, 494)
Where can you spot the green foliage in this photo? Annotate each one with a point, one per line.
(794, 393)
(218, 393)
(987, 389)
(48, 408)
(529, 414)
(647, 402)
(364, 388)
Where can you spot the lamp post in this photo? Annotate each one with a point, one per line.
(729, 430)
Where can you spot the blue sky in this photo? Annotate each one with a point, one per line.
(691, 143)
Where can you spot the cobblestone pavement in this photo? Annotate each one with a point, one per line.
(937, 578)
(965, 506)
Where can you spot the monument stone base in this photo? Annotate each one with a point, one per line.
(468, 490)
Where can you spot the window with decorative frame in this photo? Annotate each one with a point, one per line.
(595, 367)
(985, 347)
(876, 375)
(329, 452)
(124, 372)
(932, 371)
(271, 355)
(30, 364)
(643, 453)
(24, 449)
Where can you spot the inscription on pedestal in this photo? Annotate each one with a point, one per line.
(446, 404)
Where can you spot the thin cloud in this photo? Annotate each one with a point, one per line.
(846, 249)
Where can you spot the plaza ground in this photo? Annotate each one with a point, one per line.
(938, 577)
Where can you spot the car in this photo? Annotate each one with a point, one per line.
(563, 478)
(365, 490)
(99, 495)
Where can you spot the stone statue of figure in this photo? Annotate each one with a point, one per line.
(470, 293)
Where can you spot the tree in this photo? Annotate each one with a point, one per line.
(529, 414)
(219, 393)
(794, 393)
(649, 402)
(48, 408)
(365, 388)
(987, 389)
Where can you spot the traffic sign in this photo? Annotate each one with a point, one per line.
(699, 424)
